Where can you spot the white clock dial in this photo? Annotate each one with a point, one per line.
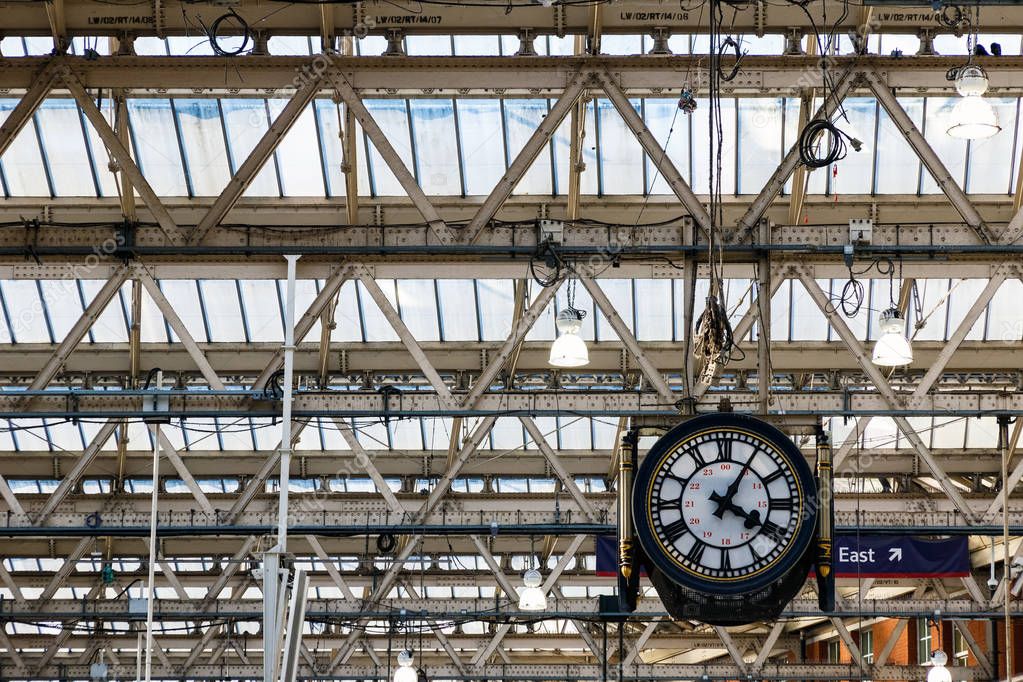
(724, 505)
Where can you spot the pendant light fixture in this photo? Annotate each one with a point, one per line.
(892, 348)
(405, 672)
(938, 672)
(532, 597)
(569, 349)
(973, 117)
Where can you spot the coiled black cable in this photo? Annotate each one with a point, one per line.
(809, 139)
(213, 33)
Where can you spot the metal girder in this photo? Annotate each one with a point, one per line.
(182, 470)
(78, 331)
(483, 609)
(928, 156)
(992, 362)
(368, 513)
(939, 363)
(257, 158)
(596, 402)
(334, 282)
(71, 479)
(884, 389)
(570, 671)
(409, 252)
(487, 18)
(651, 373)
(184, 336)
(406, 336)
(577, 82)
(390, 76)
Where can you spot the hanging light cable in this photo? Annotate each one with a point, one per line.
(569, 349)
(893, 348)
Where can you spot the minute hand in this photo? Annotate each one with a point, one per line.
(725, 500)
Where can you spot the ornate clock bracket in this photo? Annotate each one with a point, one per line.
(628, 553)
(825, 523)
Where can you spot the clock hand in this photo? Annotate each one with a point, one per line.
(752, 518)
(725, 500)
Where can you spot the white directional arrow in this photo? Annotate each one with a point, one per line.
(895, 554)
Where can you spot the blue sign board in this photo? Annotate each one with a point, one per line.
(862, 556)
(895, 556)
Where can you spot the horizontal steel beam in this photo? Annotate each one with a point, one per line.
(543, 672)
(909, 222)
(106, 361)
(341, 610)
(474, 513)
(506, 76)
(93, 405)
(409, 464)
(83, 18)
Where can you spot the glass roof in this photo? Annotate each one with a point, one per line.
(462, 146)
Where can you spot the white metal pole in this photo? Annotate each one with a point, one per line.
(138, 659)
(289, 369)
(150, 585)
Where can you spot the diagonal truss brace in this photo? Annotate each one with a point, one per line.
(387, 152)
(122, 156)
(256, 159)
(652, 374)
(27, 105)
(527, 155)
(884, 389)
(934, 372)
(777, 181)
(658, 155)
(928, 156)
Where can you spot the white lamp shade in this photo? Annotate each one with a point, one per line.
(939, 673)
(532, 597)
(569, 350)
(973, 118)
(406, 674)
(892, 350)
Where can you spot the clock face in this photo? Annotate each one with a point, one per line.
(723, 503)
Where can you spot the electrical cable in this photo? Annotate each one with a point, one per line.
(213, 33)
(809, 144)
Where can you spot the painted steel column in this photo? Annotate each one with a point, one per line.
(151, 579)
(289, 374)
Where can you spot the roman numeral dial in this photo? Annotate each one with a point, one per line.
(722, 506)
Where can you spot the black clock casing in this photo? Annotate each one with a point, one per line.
(725, 505)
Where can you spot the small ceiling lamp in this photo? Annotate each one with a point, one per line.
(532, 597)
(893, 348)
(405, 671)
(973, 117)
(938, 672)
(569, 349)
